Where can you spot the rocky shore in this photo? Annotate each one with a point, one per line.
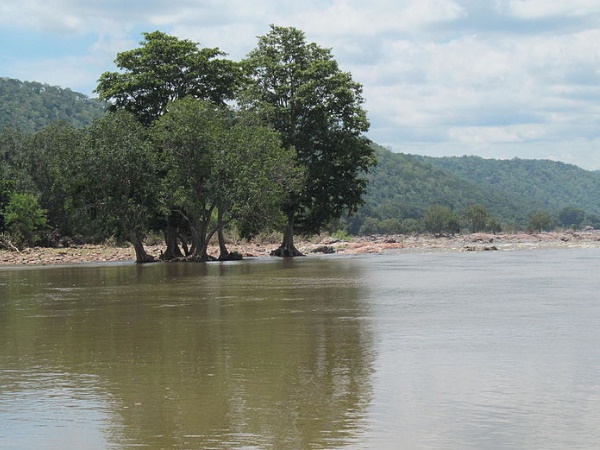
(323, 245)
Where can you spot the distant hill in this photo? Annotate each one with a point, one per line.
(543, 184)
(31, 106)
(403, 186)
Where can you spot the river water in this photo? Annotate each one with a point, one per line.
(493, 350)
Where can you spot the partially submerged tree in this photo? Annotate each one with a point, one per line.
(165, 69)
(299, 89)
(219, 170)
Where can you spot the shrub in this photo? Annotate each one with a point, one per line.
(24, 217)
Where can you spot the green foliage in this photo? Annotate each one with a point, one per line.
(440, 219)
(478, 219)
(298, 88)
(532, 185)
(592, 220)
(113, 179)
(24, 217)
(569, 216)
(221, 168)
(411, 226)
(163, 70)
(403, 186)
(539, 221)
(47, 159)
(30, 106)
(6, 190)
(492, 225)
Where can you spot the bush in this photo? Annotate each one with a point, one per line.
(440, 219)
(24, 217)
(539, 221)
(411, 226)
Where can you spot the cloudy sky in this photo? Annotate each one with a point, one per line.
(493, 78)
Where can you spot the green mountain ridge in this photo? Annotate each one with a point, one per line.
(30, 106)
(403, 186)
(543, 184)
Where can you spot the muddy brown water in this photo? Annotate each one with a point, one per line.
(399, 351)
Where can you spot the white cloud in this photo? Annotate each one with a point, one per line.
(536, 9)
(492, 135)
(359, 18)
(504, 78)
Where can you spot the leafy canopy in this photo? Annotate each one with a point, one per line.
(298, 88)
(221, 168)
(165, 69)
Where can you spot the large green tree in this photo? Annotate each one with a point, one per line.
(165, 69)
(220, 169)
(300, 90)
(113, 183)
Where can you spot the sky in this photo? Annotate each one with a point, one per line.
(494, 78)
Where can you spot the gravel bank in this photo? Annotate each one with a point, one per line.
(358, 245)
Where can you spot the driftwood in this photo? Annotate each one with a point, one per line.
(6, 244)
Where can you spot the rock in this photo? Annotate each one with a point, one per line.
(323, 249)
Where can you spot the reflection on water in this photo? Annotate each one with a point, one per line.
(52, 410)
(252, 355)
(408, 351)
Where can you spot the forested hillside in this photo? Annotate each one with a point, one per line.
(31, 106)
(547, 185)
(403, 187)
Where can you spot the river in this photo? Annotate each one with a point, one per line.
(475, 350)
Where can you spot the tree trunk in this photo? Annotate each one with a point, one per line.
(199, 241)
(223, 252)
(171, 232)
(141, 256)
(287, 249)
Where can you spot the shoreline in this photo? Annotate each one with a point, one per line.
(379, 244)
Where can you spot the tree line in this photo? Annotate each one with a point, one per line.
(196, 143)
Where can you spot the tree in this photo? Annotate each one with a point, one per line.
(493, 226)
(6, 190)
(48, 154)
(570, 216)
(24, 217)
(299, 89)
(220, 169)
(539, 221)
(477, 218)
(440, 219)
(113, 180)
(165, 69)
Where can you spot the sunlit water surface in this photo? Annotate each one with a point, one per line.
(497, 350)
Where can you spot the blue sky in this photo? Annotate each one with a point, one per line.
(493, 78)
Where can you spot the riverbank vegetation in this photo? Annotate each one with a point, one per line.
(197, 146)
